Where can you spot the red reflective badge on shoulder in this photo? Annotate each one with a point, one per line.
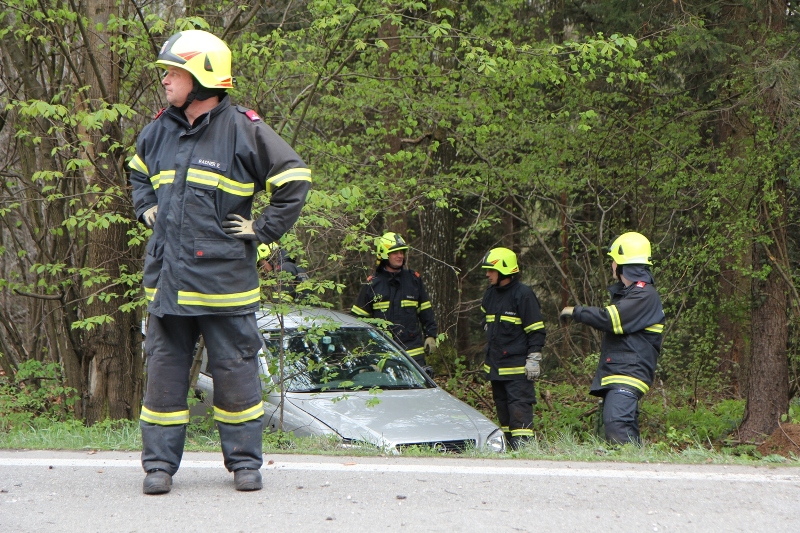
(159, 113)
(640, 284)
(199, 253)
(252, 115)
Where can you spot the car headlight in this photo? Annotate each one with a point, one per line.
(496, 442)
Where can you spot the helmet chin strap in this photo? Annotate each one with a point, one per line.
(201, 93)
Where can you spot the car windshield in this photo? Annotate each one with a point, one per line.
(344, 359)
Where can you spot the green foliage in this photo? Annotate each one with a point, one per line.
(35, 392)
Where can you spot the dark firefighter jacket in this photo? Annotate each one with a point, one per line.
(633, 326)
(286, 289)
(400, 298)
(198, 174)
(514, 328)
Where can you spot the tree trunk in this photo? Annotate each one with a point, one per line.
(112, 361)
(768, 378)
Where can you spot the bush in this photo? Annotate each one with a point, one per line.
(36, 391)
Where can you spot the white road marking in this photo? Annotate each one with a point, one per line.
(653, 475)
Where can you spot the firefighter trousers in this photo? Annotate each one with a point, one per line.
(621, 416)
(232, 344)
(514, 400)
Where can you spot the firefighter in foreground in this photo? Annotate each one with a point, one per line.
(397, 294)
(272, 259)
(515, 336)
(196, 169)
(633, 324)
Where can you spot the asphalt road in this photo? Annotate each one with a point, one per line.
(87, 492)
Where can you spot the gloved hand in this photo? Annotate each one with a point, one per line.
(239, 227)
(430, 344)
(149, 216)
(566, 313)
(532, 366)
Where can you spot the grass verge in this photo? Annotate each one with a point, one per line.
(124, 435)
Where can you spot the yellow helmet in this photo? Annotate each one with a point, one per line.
(266, 250)
(388, 243)
(631, 249)
(204, 55)
(501, 259)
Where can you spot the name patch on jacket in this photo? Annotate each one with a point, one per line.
(209, 163)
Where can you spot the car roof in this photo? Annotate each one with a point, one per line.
(298, 317)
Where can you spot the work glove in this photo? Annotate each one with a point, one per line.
(239, 227)
(430, 344)
(532, 366)
(149, 216)
(566, 313)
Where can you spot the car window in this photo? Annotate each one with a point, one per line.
(344, 359)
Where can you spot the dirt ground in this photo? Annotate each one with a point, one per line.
(784, 441)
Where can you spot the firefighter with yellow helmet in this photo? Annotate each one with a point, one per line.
(397, 294)
(273, 260)
(196, 170)
(633, 325)
(515, 336)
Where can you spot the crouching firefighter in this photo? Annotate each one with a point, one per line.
(197, 166)
(515, 336)
(274, 261)
(633, 325)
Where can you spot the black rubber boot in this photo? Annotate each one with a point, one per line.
(157, 482)
(247, 479)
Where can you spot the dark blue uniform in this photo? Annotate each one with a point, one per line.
(514, 328)
(400, 298)
(200, 280)
(633, 324)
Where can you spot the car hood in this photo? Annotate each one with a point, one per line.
(395, 417)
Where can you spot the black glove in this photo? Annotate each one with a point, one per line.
(239, 227)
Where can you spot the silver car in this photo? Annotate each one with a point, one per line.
(346, 378)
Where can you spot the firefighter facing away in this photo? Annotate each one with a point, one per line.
(397, 294)
(197, 166)
(633, 325)
(515, 335)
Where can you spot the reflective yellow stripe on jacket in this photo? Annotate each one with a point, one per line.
(616, 323)
(238, 417)
(381, 306)
(150, 293)
(511, 370)
(219, 300)
(294, 174)
(655, 328)
(137, 164)
(212, 179)
(358, 311)
(172, 418)
(534, 327)
(165, 177)
(416, 351)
